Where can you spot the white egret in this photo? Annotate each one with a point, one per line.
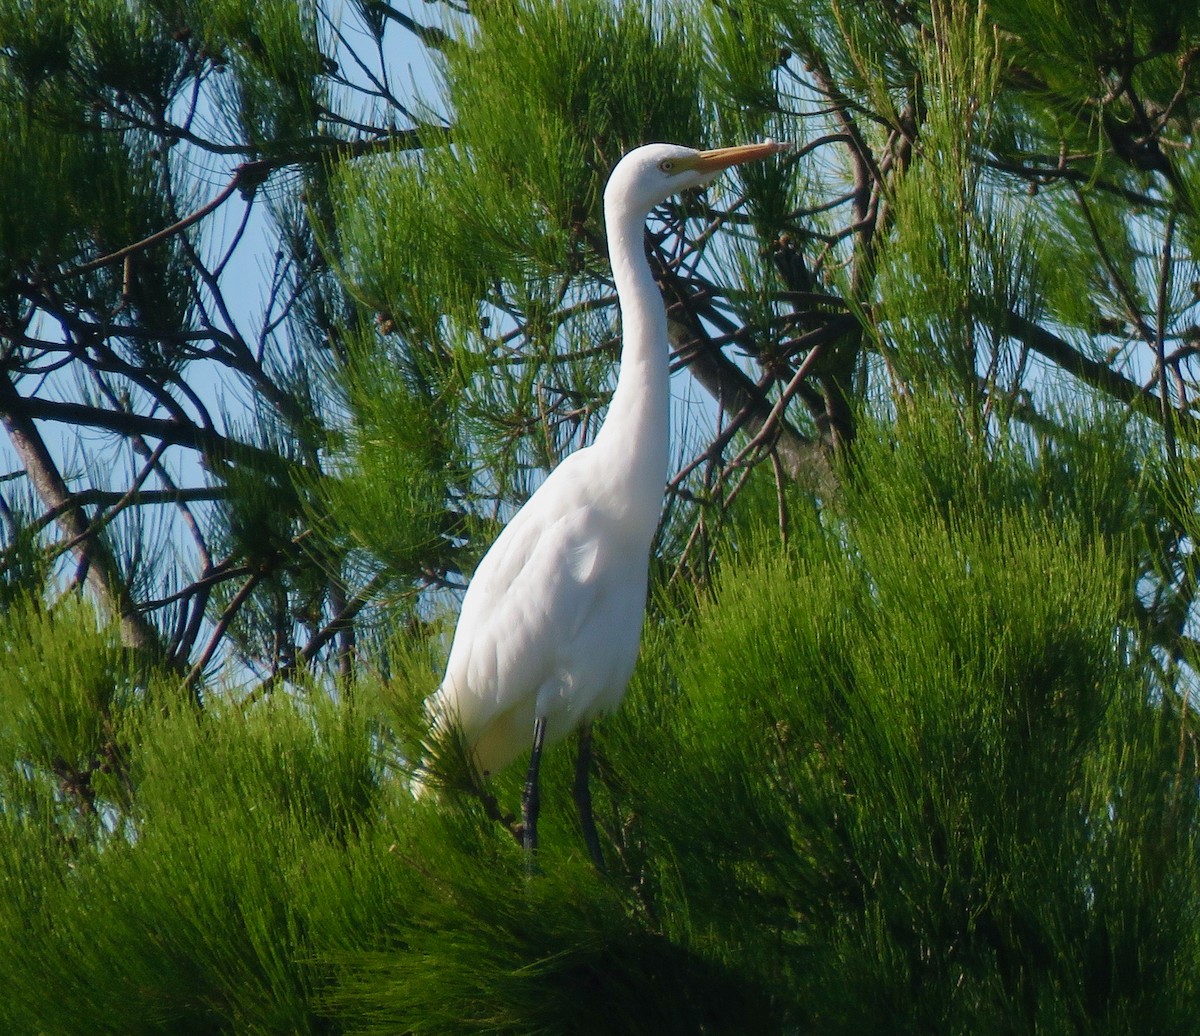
(550, 624)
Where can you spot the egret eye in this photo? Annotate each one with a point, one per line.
(666, 165)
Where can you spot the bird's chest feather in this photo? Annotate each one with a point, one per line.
(552, 584)
(578, 580)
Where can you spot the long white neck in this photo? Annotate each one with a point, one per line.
(637, 428)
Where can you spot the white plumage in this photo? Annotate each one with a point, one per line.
(551, 620)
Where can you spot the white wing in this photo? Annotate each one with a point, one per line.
(551, 621)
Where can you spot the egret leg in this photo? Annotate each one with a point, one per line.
(583, 796)
(531, 800)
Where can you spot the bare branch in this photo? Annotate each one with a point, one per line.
(89, 545)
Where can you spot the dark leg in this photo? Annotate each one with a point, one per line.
(583, 796)
(530, 801)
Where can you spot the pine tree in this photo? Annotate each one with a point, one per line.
(298, 302)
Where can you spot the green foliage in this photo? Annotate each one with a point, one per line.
(859, 46)
(274, 47)
(1073, 43)
(509, 198)
(66, 159)
(37, 162)
(64, 685)
(398, 467)
(37, 39)
(410, 254)
(907, 775)
(958, 260)
(492, 951)
(126, 52)
(932, 709)
(920, 758)
(501, 224)
(239, 858)
(25, 567)
(591, 80)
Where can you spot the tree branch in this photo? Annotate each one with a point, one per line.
(1093, 372)
(89, 546)
(805, 459)
(215, 448)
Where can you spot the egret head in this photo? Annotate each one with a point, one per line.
(653, 173)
